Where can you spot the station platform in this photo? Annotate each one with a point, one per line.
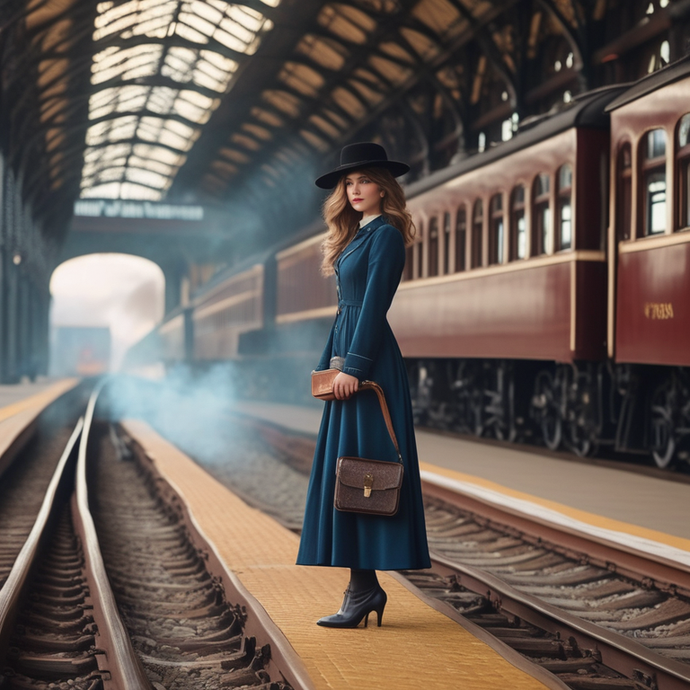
(15, 398)
(20, 405)
(643, 513)
(417, 646)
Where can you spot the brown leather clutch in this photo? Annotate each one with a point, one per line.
(322, 383)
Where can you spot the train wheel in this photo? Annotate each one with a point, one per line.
(546, 410)
(579, 441)
(663, 439)
(504, 427)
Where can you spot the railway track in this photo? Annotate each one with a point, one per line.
(595, 616)
(182, 626)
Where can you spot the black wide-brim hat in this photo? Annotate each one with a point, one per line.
(364, 155)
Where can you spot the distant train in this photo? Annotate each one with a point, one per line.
(80, 350)
(546, 295)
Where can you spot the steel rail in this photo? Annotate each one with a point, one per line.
(11, 592)
(617, 651)
(284, 660)
(124, 666)
(620, 558)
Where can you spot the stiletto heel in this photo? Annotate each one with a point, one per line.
(379, 616)
(357, 606)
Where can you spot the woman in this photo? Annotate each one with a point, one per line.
(368, 227)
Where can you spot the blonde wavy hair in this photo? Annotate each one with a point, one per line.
(343, 221)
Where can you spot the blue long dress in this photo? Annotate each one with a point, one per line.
(367, 275)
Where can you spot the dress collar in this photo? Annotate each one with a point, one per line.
(367, 219)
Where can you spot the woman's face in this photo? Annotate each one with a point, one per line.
(363, 194)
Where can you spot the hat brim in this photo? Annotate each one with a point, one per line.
(330, 180)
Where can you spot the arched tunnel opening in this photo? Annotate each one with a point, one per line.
(101, 304)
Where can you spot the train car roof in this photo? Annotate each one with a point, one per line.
(586, 111)
(674, 72)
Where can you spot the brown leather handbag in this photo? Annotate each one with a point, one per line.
(370, 486)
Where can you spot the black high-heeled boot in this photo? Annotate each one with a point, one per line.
(358, 602)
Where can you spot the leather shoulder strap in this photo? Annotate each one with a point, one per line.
(372, 385)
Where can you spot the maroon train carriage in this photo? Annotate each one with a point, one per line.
(222, 314)
(303, 294)
(171, 335)
(649, 283)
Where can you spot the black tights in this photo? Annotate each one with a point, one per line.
(362, 580)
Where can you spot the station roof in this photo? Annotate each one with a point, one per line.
(181, 99)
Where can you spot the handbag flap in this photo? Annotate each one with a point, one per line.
(386, 475)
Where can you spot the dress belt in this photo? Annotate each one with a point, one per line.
(349, 303)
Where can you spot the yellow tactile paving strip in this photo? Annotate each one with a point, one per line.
(417, 647)
(38, 400)
(575, 513)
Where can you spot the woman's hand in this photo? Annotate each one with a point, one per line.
(345, 386)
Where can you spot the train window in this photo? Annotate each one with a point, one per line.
(433, 247)
(409, 263)
(446, 243)
(477, 232)
(497, 230)
(460, 239)
(565, 212)
(541, 223)
(684, 170)
(518, 224)
(654, 180)
(419, 249)
(624, 200)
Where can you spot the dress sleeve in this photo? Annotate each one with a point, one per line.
(386, 263)
(325, 361)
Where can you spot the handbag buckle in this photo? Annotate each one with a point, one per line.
(368, 483)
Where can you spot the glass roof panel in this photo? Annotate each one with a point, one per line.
(151, 164)
(159, 153)
(125, 63)
(247, 142)
(348, 102)
(234, 155)
(425, 47)
(266, 117)
(135, 107)
(325, 126)
(331, 20)
(302, 78)
(328, 53)
(439, 15)
(111, 130)
(224, 169)
(316, 141)
(146, 177)
(283, 101)
(257, 131)
(107, 153)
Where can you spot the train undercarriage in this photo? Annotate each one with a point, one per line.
(587, 408)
